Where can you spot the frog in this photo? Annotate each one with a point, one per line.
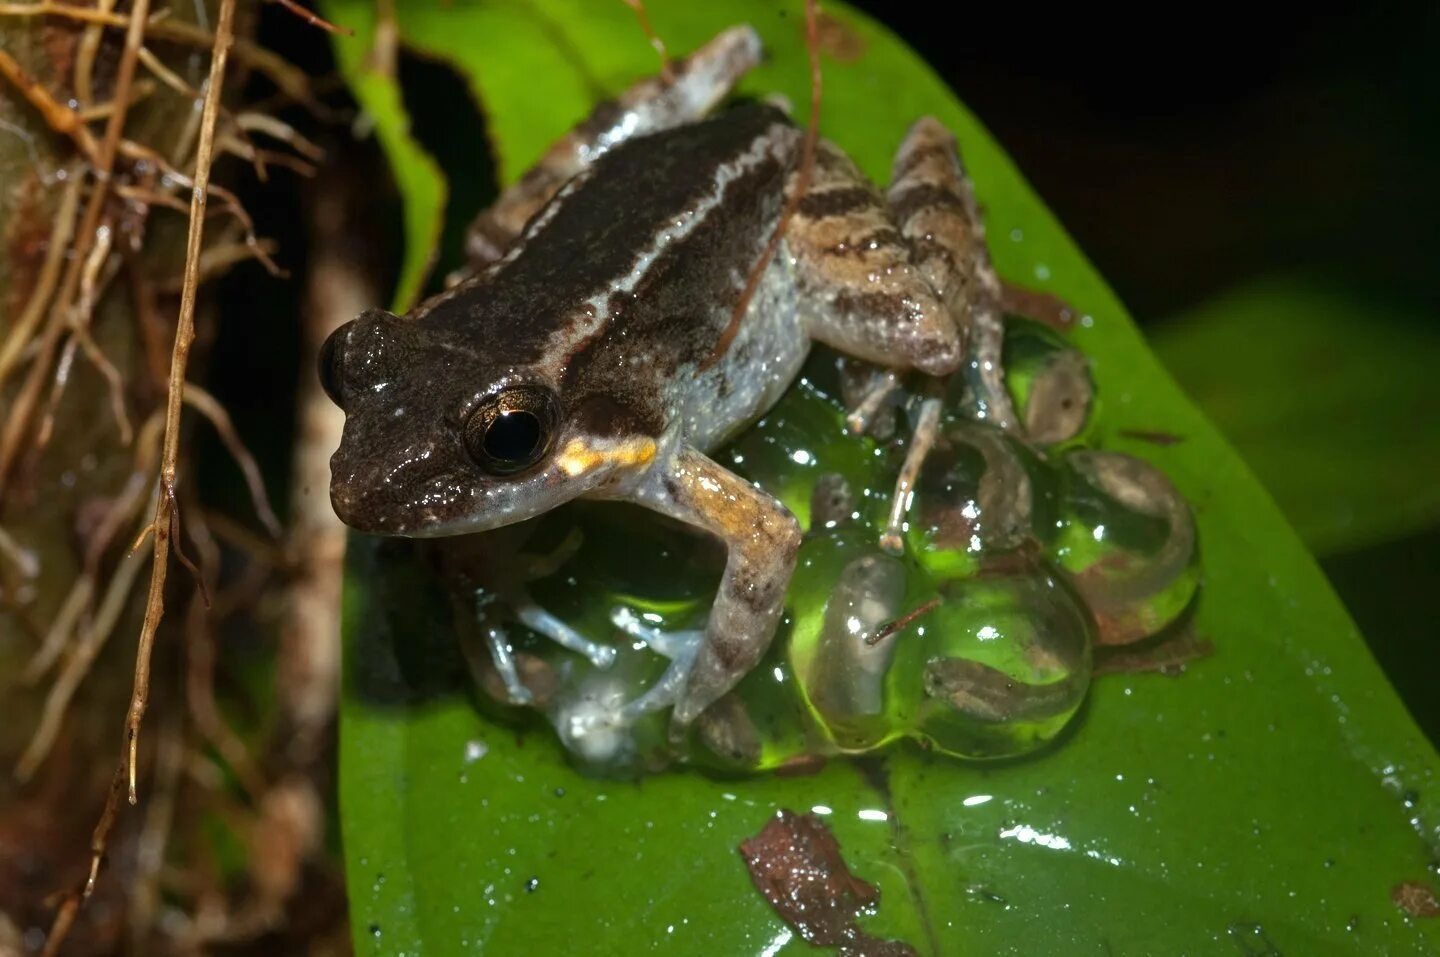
(637, 299)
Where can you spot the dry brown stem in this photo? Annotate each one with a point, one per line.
(667, 71)
(184, 337)
(82, 656)
(61, 118)
(122, 512)
(216, 261)
(314, 19)
(139, 90)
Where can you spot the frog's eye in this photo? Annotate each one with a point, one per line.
(512, 429)
(329, 365)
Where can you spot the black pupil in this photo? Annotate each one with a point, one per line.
(513, 436)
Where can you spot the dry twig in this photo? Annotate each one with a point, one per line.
(180, 356)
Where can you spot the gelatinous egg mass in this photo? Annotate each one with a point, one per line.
(1021, 558)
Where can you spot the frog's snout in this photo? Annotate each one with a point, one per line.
(365, 509)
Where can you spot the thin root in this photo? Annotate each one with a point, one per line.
(49, 275)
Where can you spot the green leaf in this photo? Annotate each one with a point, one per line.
(418, 177)
(1326, 392)
(1267, 796)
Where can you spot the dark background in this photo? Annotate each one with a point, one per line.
(1222, 142)
(1186, 155)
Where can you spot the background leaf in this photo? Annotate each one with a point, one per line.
(1339, 425)
(1272, 795)
(417, 175)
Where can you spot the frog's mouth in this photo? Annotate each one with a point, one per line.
(422, 498)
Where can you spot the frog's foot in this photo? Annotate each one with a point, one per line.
(541, 621)
(927, 429)
(595, 723)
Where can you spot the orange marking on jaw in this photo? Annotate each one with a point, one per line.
(579, 457)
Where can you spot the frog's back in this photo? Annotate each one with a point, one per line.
(624, 283)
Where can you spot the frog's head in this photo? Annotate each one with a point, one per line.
(441, 438)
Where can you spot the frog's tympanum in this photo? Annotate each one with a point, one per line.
(621, 323)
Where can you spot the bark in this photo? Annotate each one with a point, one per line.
(55, 498)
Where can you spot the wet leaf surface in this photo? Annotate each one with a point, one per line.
(1274, 793)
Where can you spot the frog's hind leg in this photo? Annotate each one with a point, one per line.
(876, 395)
(696, 84)
(934, 205)
(679, 647)
(860, 292)
(932, 202)
(497, 645)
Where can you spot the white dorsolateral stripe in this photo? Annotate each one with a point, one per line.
(590, 322)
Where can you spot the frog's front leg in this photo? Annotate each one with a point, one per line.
(762, 539)
(697, 83)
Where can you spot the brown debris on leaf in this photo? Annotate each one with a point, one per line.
(796, 864)
(1043, 307)
(839, 41)
(1167, 655)
(1153, 437)
(1416, 899)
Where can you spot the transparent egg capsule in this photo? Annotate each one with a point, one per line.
(998, 667)
(1049, 382)
(977, 495)
(1127, 542)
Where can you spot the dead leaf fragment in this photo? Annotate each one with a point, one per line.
(1416, 899)
(796, 864)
